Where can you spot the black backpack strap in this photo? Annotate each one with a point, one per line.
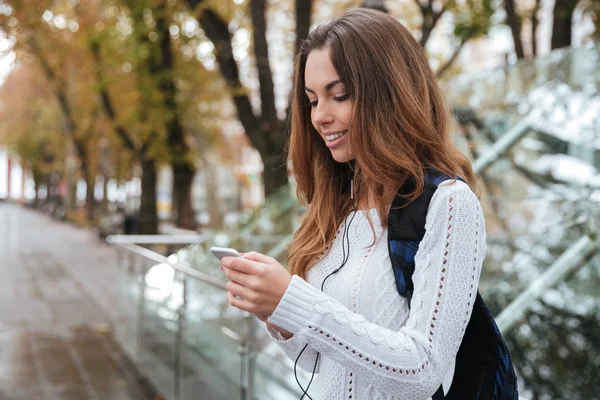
(483, 368)
(439, 394)
(406, 228)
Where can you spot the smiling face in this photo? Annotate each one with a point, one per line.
(331, 106)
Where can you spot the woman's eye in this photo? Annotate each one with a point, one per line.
(313, 104)
(342, 97)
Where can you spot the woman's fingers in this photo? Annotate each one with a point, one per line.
(239, 290)
(242, 265)
(260, 284)
(235, 302)
(258, 257)
(236, 276)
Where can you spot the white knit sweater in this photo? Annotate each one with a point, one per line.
(371, 347)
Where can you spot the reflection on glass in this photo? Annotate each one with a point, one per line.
(540, 198)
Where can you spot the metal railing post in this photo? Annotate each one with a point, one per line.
(250, 359)
(140, 318)
(131, 265)
(180, 342)
(119, 257)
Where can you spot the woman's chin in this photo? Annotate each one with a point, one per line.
(341, 155)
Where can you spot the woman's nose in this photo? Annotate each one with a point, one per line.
(321, 115)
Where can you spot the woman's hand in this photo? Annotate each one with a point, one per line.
(256, 283)
(285, 334)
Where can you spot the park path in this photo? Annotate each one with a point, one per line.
(58, 297)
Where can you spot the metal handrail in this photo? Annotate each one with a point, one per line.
(152, 255)
(573, 258)
(502, 145)
(247, 342)
(156, 239)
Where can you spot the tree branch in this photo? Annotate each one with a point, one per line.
(421, 6)
(512, 19)
(303, 14)
(218, 32)
(449, 63)
(261, 54)
(430, 20)
(106, 101)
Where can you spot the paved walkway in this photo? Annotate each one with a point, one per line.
(57, 304)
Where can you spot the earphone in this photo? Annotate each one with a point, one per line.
(345, 257)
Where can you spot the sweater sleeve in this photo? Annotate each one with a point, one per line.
(293, 347)
(411, 362)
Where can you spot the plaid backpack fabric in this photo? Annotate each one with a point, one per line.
(483, 368)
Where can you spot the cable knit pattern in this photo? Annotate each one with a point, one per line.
(371, 345)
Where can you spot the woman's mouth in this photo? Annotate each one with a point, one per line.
(330, 138)
(334, 139)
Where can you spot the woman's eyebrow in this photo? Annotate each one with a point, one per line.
(327, 87)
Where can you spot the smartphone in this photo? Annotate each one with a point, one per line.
(221, 252)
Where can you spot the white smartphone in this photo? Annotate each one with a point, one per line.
(221, 252)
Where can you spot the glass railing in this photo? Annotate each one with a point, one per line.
(541, 197)
(188, 342)
(561, 88)
(183, 335)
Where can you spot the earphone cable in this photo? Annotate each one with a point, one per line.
(345, 257)
(305, 391)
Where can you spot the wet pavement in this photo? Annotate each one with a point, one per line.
(57, 306)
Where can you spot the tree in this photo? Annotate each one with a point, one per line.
(35, 34)
(136, 131)
(562, 23)
(534, 26)
(472, 19)
(154, 50)
(514, 22)
(30, 127)
(265, 130)
(157, 62)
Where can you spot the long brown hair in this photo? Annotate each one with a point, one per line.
(400, 126)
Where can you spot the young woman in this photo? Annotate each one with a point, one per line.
(368, 117)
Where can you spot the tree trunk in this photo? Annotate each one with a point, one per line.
(303, 14)
(562, 23)
(36, 187)
(72, 194)
(214, 204)
(148, 220)
(90, 183)
(275, 174)
(104, 202)
(183, 177)
(512, 19)
(90, 201)
(534, 26)
(161, 64)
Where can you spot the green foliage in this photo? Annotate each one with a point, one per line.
(472, 19)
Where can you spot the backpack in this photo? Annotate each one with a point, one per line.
(483, 367)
